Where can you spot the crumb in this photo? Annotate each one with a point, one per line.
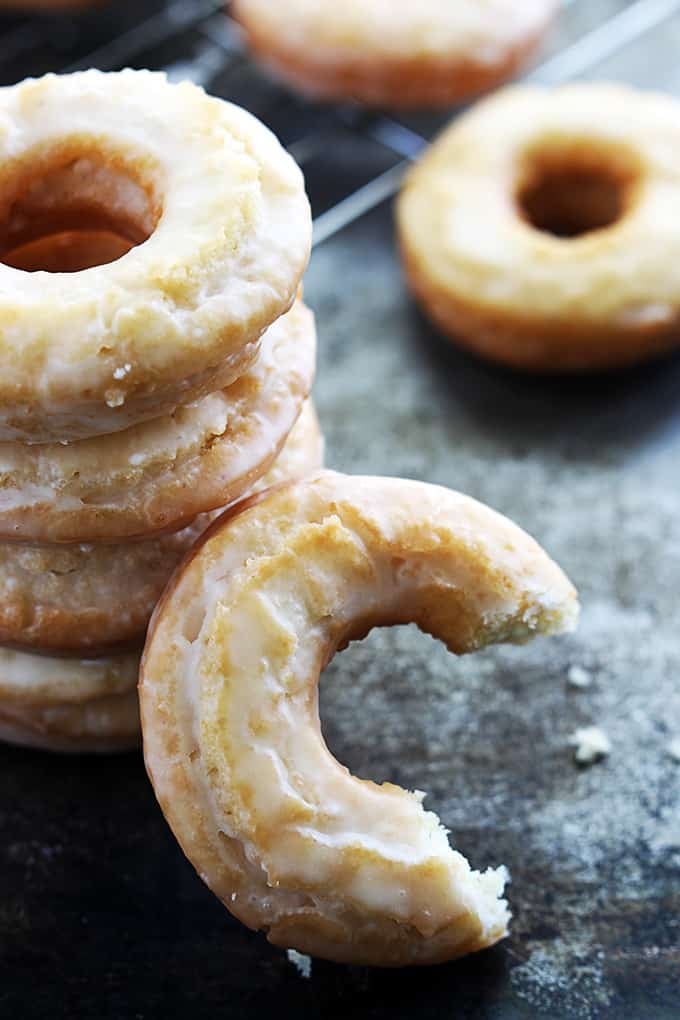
(579, 677)
(301, 961)
(114, 398)
(591, 744)
(120, 373)
(674, 749)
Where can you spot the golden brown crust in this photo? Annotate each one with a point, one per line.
(406, 83)
(95, 599)
(426, 54)
(159, 475)
(100, 726)
(326, 863)
(69, 704)
(600, 288)
(521, 342)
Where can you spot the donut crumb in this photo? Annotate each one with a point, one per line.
(591, 743)
(579, 677)
(114, 398)
(301, 962)
(674, 749)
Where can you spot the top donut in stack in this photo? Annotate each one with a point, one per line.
(216, 217)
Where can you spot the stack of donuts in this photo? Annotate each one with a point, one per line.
(155, 365)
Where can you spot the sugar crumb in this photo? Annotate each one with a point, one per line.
(301, 962)
(114, 398)
(591, 744)
(674, 749)
(579, 677)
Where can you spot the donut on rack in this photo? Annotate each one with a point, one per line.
(326, 863)
(214, 217)
(540, 231)
(382, 53)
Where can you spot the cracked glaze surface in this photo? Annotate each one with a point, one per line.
(158, 475)
(181, 313)
(92, 598)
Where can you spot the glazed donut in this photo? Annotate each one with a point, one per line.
(433, 53)
(218, 225)
(293, 844)
(91, 599)
(539, 230)
(159, 475)
(67, 704)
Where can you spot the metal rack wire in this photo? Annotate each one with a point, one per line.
(196, 39)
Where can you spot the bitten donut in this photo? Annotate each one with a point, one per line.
(540, 231)
(293, 844)
(88, 599)
(69, 704)
(218, 226)
(382, 53)
(157, 476)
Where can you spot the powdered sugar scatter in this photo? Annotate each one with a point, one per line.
(591, 743)
(301, 962)
(579, 677)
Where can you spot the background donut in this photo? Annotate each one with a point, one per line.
(431, 53)
(538, 231)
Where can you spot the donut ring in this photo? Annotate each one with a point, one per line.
(87, 600)
(536, 232)
(293, 844)
(220, 229)
(433, 53)
(67, 704)
(159, 475)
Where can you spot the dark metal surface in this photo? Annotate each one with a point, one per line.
(100, 915)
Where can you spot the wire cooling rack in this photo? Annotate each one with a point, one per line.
(197, 39)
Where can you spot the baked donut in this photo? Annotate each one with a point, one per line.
(218, 224)
(159, 475)
(538, 230)
(69, 704)
(91, 599)
(292, 843)
(382, 53)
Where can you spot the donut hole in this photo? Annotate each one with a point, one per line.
(572, 192)
(72, 207)
(390, 737)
